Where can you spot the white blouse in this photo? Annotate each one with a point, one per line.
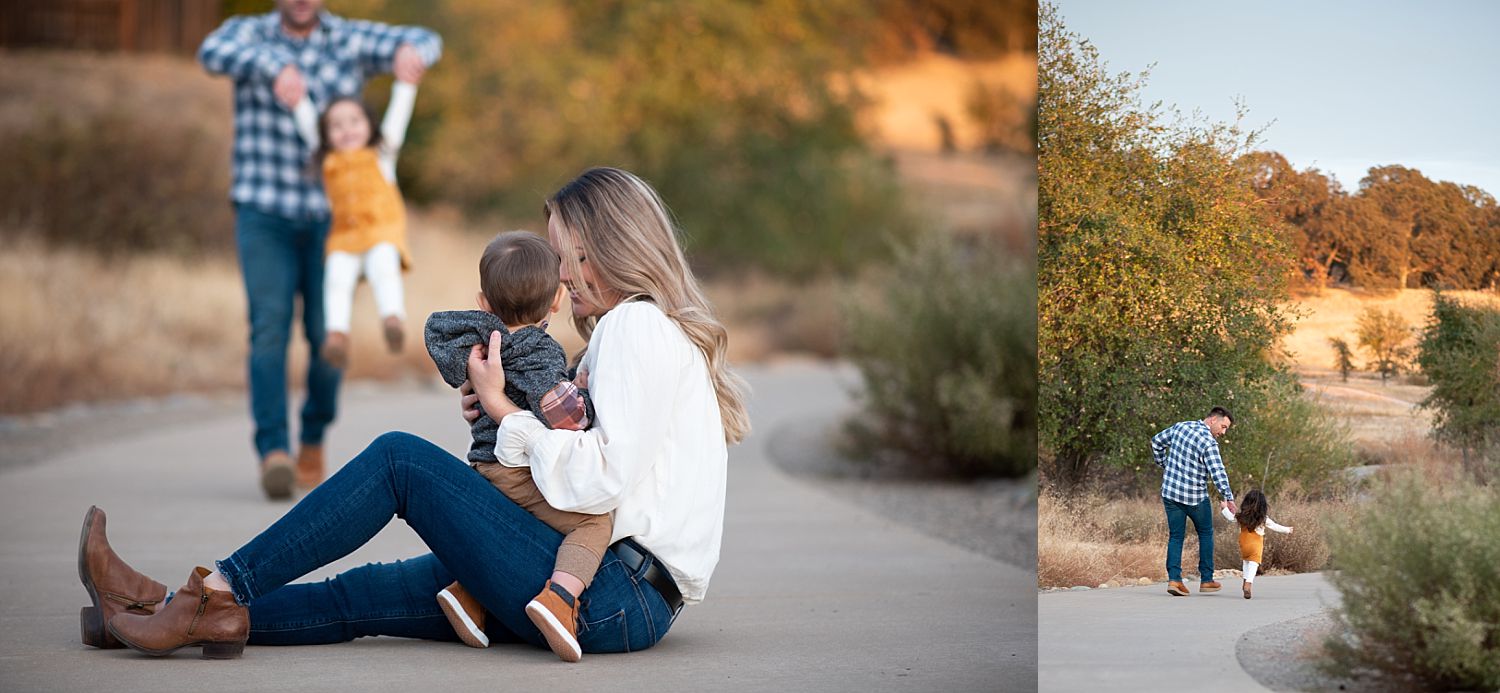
(655, 457)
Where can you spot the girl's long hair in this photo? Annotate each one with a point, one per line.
(622, 227)
(1253, 510)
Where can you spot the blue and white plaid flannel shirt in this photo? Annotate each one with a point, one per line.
(270, 162)
(1189, 455)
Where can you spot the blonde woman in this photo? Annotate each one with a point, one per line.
(667, 406)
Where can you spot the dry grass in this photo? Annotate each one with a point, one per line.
(909, 98)
(1091, 541)
(1334, 313)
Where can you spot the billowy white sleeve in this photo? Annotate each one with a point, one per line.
(306, 116)
(640, 359)
(393, 126)
(1227, 515)
(1271, 525)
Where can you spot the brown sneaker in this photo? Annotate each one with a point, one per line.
(395, 333)
(276, 475)
(197, 615)
(465, 614)
(1246, 587)
(1177, 589)
(114, 587)
(309, 466)
(1210, 586)
(555, 613)
(336, 350)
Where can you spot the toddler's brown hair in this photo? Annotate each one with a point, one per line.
(518, 274)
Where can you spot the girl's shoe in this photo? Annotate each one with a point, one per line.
(395, 332)
(555, 613)
(196, 615)
(465, 614)
(336, 350)
(1247, 589)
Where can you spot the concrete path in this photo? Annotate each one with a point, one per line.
(1143, 639)
(811, 594)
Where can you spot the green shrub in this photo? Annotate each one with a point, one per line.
(1460, 353)
(949, 360)
(115, 182)
(1419, 570)
(1285, 438)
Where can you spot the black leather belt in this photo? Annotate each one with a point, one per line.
(633, 555)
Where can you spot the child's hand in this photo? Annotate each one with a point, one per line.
(290, 86)
(408, 66)
(1289, 529)
(581, 381)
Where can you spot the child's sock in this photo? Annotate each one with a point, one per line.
(1250, 568)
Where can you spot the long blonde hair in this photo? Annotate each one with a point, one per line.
(631, 245)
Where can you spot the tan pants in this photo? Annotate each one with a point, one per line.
(586, 537)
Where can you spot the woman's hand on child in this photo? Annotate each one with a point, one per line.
(581, 381)
(469, 404)
(487, 376)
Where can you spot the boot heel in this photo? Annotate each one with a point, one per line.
(223, 650)
(91, 627)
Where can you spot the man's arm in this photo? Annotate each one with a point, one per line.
(1161, 444)
(1215, 465)
(236, 49)
(376, 46)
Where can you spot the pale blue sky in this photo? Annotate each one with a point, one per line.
(1348, 84)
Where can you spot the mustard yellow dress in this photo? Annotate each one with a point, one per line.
(367, 208)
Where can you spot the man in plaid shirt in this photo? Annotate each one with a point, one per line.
(1188, 452)
(281, 215)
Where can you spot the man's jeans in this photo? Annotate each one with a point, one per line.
(1203, 520)
(499, 552)
(281, 258)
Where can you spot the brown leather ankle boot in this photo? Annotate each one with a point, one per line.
(114, 587)
(309, 466)
(196, 615)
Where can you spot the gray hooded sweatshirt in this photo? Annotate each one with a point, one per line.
(534, 364)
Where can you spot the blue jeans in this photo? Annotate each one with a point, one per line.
(501, 553)
(1202, 516)
(280, 259)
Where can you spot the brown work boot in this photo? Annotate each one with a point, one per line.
(114, 587)
(196, 615)
(1210, 586)
(465, 614)
(555, 613)
(309, 466)
(395, 333)
(1176, 588)
(1247, 589)
(336, 349)
(276, 475)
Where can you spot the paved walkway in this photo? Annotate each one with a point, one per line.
(811, 594)
(1143, 639)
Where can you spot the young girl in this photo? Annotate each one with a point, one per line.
(368, 233)
(1254, 522)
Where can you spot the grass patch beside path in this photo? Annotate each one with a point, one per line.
(1091, 540)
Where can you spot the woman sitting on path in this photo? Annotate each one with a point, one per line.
(666, 405)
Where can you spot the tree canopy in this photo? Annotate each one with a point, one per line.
(1161, 285)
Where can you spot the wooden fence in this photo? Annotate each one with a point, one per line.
(147, 26)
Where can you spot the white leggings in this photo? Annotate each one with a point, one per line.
(1250, 567)
(381, 265)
